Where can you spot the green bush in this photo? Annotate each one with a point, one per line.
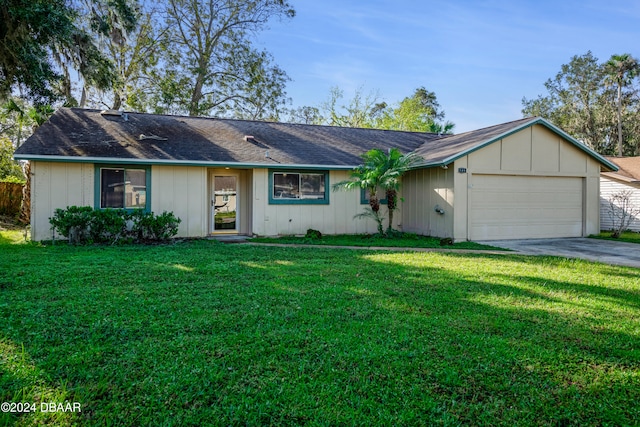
(13, 179)
(85, 225)
(73, 223)
(313, 234)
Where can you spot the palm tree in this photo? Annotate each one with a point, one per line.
(392, 167)
(380, 170)
(365, 176)
(621, 70)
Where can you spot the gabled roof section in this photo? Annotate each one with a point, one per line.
(85, 135)
(628, 169)
(445, 150)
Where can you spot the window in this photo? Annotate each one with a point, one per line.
(298, 187)
(122, 187)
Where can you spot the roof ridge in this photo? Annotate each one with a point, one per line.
(230, 119)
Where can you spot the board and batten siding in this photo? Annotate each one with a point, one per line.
(501, 168)
(57, 186)
(183, 191)
(337, 217)
(609, 187)
(423, 190)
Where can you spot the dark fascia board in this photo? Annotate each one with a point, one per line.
(534, 121)
(169, 162)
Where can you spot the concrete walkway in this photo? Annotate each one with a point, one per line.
(605, 251)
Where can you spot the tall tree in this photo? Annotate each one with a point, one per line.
(8, 166)
(29, 31)
(621, 70)
(580, 101)
(306, 115)
(38, 38)
(19, 120)
(210, 64)
(573, 100)
(418, 113)
(135, 52)
(360, 112)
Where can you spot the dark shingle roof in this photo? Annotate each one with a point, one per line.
(85, 133)
(446, 149)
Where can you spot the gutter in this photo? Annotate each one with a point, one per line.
(171, 162)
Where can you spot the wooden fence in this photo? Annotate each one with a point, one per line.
(10, 198)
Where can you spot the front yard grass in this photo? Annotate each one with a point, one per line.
(367, 240)
(204, 333)
(626, 236)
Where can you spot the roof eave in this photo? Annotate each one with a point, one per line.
(619, 177)
(172, 162)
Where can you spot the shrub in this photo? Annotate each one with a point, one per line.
(313, 234)
(150, 227)
(447, 241)
(13, 179)
(110, 226)
(73, 223)
(622, 211)
(85, 225)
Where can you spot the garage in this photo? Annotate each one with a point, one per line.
(525, 179)
(517, 207)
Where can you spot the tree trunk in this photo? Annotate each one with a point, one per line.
(392, 196)
(196, 96)
(374, 203)
(619, 119)
(117, 100)
(25, 207)
(83, 97)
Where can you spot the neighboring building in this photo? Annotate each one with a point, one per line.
(627, 178)
(522, 179)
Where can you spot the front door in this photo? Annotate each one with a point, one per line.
(224, 204)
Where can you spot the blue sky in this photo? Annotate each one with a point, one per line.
(479, 57)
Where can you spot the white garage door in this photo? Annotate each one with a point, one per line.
(524, 207)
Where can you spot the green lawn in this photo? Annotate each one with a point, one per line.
(627, 236)
(368, 240)
(204, 333)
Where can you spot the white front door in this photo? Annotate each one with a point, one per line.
(224, 204)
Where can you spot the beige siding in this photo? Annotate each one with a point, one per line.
(423, 190)
(461, 200)
(534, 152)
(183, 191)
(609, 187)
(545, 153)
(334, 218)
(58, 185)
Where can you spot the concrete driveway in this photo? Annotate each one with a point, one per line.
(606, 251)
